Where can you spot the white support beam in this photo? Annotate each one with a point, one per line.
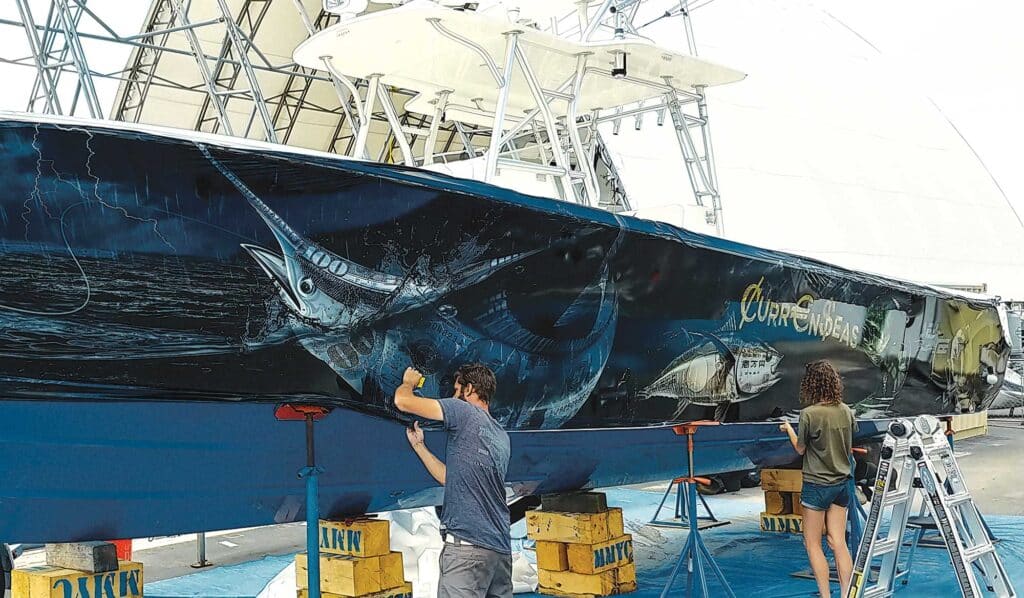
(44, 73)
(384, 95)
(435, 122)
(505, 84)
(242, 56)
(70, 28)
(181, 15)
(359, 151)
(548, 120)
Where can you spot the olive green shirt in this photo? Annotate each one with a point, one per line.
(826, 433)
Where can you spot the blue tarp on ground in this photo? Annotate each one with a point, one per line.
(757, 564)
(245, 580)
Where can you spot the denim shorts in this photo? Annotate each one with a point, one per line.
(820, 497)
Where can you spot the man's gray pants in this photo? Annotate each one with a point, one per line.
(474, 572)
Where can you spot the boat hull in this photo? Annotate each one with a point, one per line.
(164, 291)
(142, 266)
(93, 470)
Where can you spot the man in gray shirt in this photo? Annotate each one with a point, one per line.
(476, 561)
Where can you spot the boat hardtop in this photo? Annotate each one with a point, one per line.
(462, 52)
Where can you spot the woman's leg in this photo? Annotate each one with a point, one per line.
(814, 522)
(836, 521)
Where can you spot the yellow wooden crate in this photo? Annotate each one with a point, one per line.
(595, 558)
(359, 537)
(402, 591)
(566, 583)
(392, 573)
(792, 524)
(781, 503)
(55, 582)
(781, 480)
(552, 556)
(574, 528)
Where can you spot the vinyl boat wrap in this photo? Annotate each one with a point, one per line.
(163, 291)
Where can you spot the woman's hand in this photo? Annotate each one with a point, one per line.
(786, 427)
(415, 434)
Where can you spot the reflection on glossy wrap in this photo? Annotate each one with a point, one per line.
(142, 267)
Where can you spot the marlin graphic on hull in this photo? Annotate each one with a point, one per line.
(350, 317)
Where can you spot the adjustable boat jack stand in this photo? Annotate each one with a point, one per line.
(309, 414)
(695, 554)
(680, 519)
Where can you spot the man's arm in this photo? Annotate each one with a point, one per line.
(434, 465)
(407, 402)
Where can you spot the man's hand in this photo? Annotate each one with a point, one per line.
(415, 434)
(434, 465)
(786, 427)
(411, 377)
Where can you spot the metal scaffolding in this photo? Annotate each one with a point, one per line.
(225, 67)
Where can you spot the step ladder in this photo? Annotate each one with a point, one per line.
(917, 460)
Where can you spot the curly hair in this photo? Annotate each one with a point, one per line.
(481, 377)
(821, 384)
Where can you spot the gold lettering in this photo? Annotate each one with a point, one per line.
(773, 312)
(836, 325)
(814, 323)
(801, 311)
(750, 294)
(784, 314)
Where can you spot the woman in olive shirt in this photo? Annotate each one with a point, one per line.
(824, 439)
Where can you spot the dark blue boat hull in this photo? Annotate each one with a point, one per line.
(162, 292)
(96, 470)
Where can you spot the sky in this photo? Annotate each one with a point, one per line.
(880, 135)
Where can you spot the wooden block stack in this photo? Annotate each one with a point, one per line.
(782, 509)
(355, 560)
(81, 569)
(582, 547)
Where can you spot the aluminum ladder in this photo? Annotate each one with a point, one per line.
(916, 460)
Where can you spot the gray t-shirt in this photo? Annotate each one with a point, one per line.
(476, 462)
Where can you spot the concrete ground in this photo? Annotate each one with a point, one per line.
(993, 466)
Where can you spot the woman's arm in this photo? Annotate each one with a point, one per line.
(788, 429)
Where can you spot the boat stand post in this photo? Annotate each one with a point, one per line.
(855, 514)
(201, 552)
(311, 472)
(695, 554)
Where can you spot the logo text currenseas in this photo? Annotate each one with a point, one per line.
(814, 317)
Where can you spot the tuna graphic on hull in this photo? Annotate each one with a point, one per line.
(716, 374)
